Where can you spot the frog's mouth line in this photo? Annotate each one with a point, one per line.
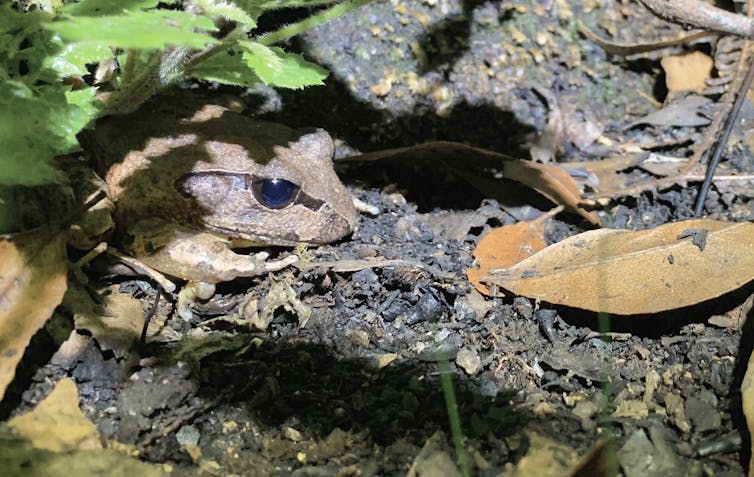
(332, 229)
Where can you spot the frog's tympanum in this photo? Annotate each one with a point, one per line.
(192, 183)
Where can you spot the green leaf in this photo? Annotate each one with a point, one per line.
(11, 20)
(226, 68)
(261, 57)
(138, 29)
(99, 8)
(85, 100)
(34, 129)
(228, 11)
(72, 59)
(288, 70)
(49, 59)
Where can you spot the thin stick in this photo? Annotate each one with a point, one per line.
(715, 158)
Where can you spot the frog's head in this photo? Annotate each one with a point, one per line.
(289, 195)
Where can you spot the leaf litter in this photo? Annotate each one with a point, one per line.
(32, 284)
(698, 238)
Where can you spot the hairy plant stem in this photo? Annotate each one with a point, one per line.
(167, 67)
(310, 22)
(132, 94)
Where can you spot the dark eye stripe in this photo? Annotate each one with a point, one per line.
(273, 193)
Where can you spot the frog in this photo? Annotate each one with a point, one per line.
(193, 181)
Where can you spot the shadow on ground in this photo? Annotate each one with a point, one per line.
(304, 383)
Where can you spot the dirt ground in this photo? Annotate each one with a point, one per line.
(361, 389)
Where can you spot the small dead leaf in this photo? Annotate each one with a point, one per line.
(57, 424)
(553, 182)
(116, 325)
(281, 295)
(686, 111)
(606, 174)
(747, 401)
(647, 271)
(662, 166)
(32, 284)
(385, 359)
(544, 458)
(506, 246)
(734, 318)
(117, 322)
(687, 72)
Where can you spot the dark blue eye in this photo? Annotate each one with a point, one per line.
(275, 193)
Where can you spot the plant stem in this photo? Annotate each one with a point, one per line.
(310, 22)
(129, 96)
(454, 418)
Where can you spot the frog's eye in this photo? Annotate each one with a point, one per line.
(275, 193)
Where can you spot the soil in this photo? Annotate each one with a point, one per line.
(362, 388)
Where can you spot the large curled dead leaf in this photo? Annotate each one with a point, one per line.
(550, 180)
(32, 283)
(647, 271)
(553, 182)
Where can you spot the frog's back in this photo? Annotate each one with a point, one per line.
(174, 121)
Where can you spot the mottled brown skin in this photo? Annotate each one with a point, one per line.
(180, 178)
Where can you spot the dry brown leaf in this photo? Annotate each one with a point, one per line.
(747, 402)
(606, 174)
(549, 180)
(544, 458)
(506, 246)
(688, 111)
(57, 424)
(647, 271)
(552, 181)
(116, 323)
(662, 166)
(687, 72)
(735, 318)
(32, 284)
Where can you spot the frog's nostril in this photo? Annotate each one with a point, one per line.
(275, 193)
